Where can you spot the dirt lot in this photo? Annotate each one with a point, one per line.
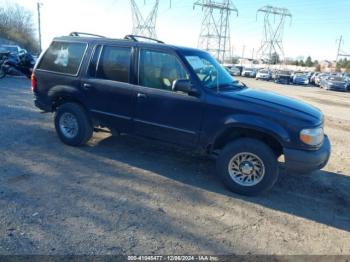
(131, 196)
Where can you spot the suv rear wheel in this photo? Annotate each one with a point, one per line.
(248, 166)
(72, 124)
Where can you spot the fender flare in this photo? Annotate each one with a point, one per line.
(64, 91)
(254, 123)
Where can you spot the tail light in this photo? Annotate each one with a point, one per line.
(34, 83)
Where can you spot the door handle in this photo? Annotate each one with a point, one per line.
(141, 95)
(87, 86)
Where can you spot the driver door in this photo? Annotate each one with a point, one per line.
(160, 112)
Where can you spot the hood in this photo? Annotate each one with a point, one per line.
(289, 106)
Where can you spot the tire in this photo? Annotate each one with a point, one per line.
(76, 116)
(261, 153)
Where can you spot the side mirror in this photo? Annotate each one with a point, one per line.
(184, 85)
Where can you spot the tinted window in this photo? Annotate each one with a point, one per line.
(63, 57)
(159, 70)
(114, 64)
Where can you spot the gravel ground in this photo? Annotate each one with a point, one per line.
(125, 195)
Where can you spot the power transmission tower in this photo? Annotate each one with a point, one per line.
(215, 31)
(340, 42)
(274, 22)
(145, 27)
(340, 52)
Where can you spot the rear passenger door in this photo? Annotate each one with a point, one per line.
(160, 112)
(110, 96)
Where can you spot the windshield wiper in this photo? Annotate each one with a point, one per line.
(234, 85)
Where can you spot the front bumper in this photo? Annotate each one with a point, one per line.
(307, 161)
(338, 88)
(301, 82)
(265, 77)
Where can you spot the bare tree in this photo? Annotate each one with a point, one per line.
(16, 24)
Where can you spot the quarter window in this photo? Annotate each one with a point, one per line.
(63, 57)
(159, 70)
(114, 64)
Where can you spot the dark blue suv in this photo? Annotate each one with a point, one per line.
(181, 96)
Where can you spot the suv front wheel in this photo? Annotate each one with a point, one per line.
(72, 124)
(248, 166)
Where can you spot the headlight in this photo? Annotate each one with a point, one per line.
(312, 136)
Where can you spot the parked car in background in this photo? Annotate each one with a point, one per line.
(301, 79)
(282, 77)
(336, 83)
(347, 77)
(16, 64)
(263, 74)
(234, 71)
(13, 49)
(240, 69)
(309, 75)
(313, 77)
(319, 77)
(249, 72)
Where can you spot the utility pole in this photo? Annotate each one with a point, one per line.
(243, 49)
(215, 31)
(39, 25)
(340, 42)
(274, 22)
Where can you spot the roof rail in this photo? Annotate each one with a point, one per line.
(135, 37)
(79, 34)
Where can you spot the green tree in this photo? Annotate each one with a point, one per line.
(16, 24)
(309, 62)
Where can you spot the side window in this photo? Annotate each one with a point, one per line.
(63, 57)
(159, 70)
(113, 64)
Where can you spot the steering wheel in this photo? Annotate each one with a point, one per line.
(209, 77)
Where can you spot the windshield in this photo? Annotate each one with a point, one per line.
(338, 79)
(211, 74)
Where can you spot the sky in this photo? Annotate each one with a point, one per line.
(315, 27)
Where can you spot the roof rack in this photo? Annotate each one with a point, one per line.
(135, 37)
(79, 34)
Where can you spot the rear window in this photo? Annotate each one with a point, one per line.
(63, 57)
